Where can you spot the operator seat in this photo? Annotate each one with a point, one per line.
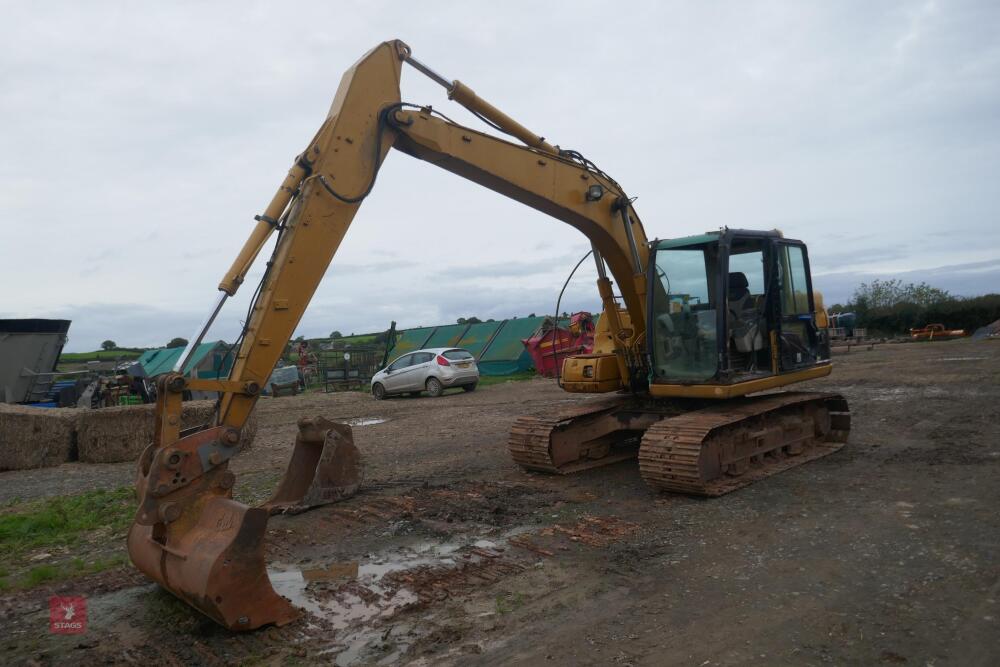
(744, 317)
(739, 292)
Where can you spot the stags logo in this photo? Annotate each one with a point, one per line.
(67, 615)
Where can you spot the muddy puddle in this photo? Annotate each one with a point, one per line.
(360, 598)
(366, 421)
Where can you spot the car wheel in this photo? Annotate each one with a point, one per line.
(378, 391)
(469, 387)
(434, 387)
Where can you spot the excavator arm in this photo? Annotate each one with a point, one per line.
(316, 203)
(189, 535)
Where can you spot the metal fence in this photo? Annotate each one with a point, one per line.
(348, 368)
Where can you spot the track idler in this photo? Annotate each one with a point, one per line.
(192, 538)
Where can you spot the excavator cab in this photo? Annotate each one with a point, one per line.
(730, 313)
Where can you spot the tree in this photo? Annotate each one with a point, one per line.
(109, 345)
(892, 306)
(468, 320)
(882, 294)
(336, 334)
(925, 295)
(177, 342)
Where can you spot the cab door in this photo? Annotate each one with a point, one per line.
(798, 338)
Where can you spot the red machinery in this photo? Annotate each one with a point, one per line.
(552, 343)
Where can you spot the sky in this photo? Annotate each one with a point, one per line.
(138, 141)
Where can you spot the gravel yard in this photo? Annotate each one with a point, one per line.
(884, 552)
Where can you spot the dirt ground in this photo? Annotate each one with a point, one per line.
(886, 552)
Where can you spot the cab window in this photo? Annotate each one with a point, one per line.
(684, 335)
(751, 265)
(794, 286)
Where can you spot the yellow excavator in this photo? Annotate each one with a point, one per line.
(695, 336)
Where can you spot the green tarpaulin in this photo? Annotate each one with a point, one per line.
(208, 358)
(496, 345)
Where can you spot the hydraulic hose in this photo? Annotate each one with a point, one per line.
(555, 347)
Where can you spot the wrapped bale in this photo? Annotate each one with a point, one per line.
(112, 435)
(36, 437)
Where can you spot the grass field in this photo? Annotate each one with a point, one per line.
(99, 355)
(54, 538)
(487, 380)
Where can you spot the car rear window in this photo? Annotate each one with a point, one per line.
(456, 355)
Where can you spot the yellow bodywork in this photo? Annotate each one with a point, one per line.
(591, 373)
(733, 390)
(315, 204)
(598, 372)
(317, 201)
(822, 318)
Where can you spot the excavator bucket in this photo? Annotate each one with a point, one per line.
(325, 467)
(193, 539)
(216, 565)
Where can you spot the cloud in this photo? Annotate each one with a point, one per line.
(129, 325)
(972, 279)
(140, 140)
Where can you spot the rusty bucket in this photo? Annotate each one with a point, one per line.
(193, 539)
(325, 467)
(216, 565)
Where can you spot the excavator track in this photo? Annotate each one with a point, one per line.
(531, 442)
(723, 447)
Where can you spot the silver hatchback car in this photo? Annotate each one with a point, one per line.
(432, 370)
